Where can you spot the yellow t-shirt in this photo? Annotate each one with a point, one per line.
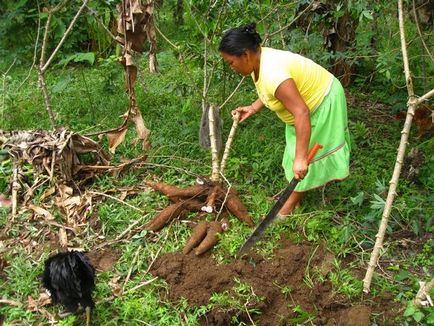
(312, 80)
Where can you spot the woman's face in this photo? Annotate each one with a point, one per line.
(240, 64)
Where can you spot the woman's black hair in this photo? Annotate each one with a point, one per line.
(238, 40)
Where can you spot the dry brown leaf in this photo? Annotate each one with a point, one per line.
(70, 202)
(142, 131)
(114, 285)
(43, 300)
(115, 138)
(41, 212)
(47, 193)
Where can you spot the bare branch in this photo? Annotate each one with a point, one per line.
(117, 199)
(416, 20)
(64, 36)
(399, 160)
(232, 94)
(182, 60)
(424, 97)
(289, 25)
(102, 24)
(43, 87)
(45, 40)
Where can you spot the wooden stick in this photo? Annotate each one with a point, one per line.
(141, 285)
(236, 118)
(131, 268)
(117, 199)
(15, 187)
(215, 174)
(399, 160)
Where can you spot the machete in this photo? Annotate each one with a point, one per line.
(275, 209)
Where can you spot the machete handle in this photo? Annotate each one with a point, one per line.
(313, 151)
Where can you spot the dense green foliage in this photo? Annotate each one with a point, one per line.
(344, 215)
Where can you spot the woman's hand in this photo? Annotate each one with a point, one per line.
(299, 168)
(245, 112)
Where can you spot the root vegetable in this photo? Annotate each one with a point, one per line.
(165, 216)
(198, 234)
(193, 205)
(212, 197)
(172, 211)
(211, 238)
(237, 208)
(175, 193)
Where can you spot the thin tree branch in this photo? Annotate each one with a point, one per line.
(232, 94)
(182, 60)
(3, 107)
(35, 51)
(399, 159)
(424, 97)
(102, 24)
(43, 87)
(64, 36)
(205, 70)
(289, 25)
(117, 199)
(45, 40)
(416, 20)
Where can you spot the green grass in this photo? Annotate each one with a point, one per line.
(344, 215)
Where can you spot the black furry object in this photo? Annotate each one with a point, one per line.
(70, 278)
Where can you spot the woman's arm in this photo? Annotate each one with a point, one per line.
(248, 111)
(288, 94)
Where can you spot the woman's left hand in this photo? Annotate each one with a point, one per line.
(299, 168)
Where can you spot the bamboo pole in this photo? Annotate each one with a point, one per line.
(399, 159)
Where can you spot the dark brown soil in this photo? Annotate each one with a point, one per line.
(103, 260)
(197, 278)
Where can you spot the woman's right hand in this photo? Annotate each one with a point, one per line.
(245, 112)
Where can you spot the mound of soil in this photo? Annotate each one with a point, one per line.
(287, 299)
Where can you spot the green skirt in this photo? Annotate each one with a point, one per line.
(329, 127)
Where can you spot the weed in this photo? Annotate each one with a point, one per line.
(301, 316)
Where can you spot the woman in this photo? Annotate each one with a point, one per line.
(306, 97)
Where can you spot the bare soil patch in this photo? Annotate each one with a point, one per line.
(197, 278)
